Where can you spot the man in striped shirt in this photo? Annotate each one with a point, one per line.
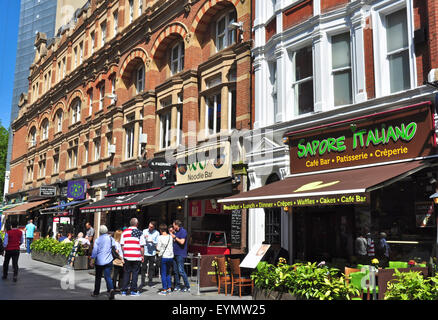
(132, 242)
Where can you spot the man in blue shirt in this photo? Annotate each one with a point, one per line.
(151, 238)
(103, 260)
(180, 253)
(30, 229)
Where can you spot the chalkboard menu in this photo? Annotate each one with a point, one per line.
(236, 224)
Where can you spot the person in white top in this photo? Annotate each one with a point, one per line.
(165, 251)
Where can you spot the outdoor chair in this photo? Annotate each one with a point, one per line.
(397, 264)
(237, 279)
(348, 271)
(223, 276)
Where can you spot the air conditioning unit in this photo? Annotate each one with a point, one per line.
(144, 138)
(112, 148)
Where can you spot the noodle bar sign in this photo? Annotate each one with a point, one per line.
(404, 133)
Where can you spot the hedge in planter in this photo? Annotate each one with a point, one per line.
(412, 286)
(55, 247)
(304, 280)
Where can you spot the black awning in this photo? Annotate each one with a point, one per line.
(122, 201)
(211, 188)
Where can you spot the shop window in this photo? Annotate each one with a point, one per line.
(302, 84)
(273, 219)
(177, 58)
(398, 50)
(225, 36)
(341, 69)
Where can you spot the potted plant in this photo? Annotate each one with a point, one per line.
(54, 252)
(411, 286)
(301, 281)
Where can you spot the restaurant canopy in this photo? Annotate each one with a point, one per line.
(348, 186)
(210, 188)
(24, 207)
(122, 201)
(64, 206)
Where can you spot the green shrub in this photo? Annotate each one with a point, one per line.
(55, 247)
(304, 280)
(411, 286)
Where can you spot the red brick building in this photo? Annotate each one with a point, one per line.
(127, 81)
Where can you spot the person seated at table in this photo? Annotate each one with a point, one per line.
(82, 240)
(68, 238)
(60, 237)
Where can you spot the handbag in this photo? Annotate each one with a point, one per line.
(160, 253)
(114, 252)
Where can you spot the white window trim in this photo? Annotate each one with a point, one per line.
(101, 95)
(165, 136)
(45, 130)
(103, 33)
(131, 11)
(381, 65)
(115, 22)
(140, 79)
(97, 147)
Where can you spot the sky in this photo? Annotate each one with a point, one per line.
(9, 19)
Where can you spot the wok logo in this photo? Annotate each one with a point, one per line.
(201, 165)
(315, 186)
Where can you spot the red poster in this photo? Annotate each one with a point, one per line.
(195, 208)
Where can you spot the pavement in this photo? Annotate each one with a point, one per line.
(41, 281)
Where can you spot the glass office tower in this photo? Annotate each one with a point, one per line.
(35, 16)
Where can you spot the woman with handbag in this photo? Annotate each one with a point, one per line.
(118, 263)
(165, 252)
(102, 256)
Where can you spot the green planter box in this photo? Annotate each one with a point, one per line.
(81, 262)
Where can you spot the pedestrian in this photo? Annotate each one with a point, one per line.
(150, 253)
(82, 240)
(90, 232)
(361, 249)
(103, 261)
(383, 251)
(132, 243)
(165, 252)
(68, 238)
(118, 263)
(30, 229)
(180, 253)
(12, 241)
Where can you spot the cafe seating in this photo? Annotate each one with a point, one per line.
(223, 277)
(397, 265)
(348, 271)
(237, 279)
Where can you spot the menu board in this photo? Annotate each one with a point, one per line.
(236, 225)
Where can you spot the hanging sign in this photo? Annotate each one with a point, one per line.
(77, 189)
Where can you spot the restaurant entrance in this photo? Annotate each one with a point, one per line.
(324, 234)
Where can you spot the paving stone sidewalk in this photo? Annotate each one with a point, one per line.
(42, 281)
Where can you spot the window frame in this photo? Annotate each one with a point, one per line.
(140, 81)
(129, 141)
(215, 128)
(294, 82)
(339, 70)
(179, 60)
(227, 31)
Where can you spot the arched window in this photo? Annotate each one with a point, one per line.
(45, 129)
(32, 137)
(58, 119)
(139, 78)
(177, 58)
(76, 111)
(225, 34)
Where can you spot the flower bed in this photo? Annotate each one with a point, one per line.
(51, 251)
(301, 281)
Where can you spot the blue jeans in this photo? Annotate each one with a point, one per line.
(106, 271)
(178, 266)
(166, 265)
(28, 243)
(131, 267)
